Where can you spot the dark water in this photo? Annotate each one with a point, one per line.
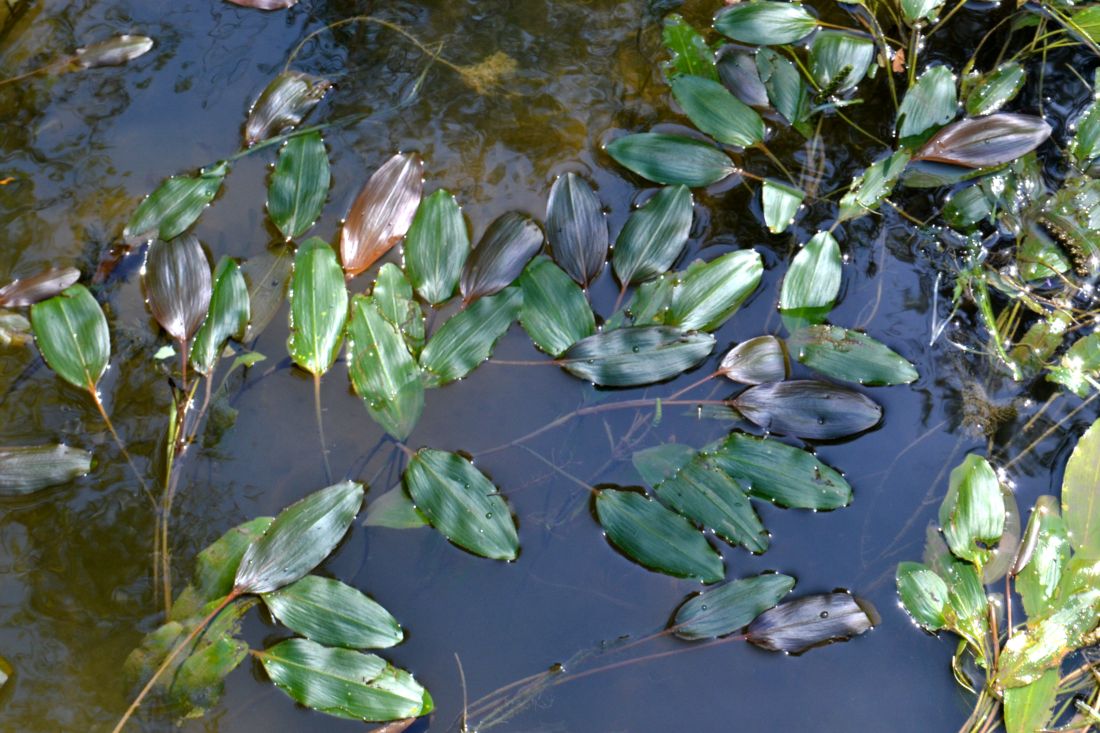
(75, 583)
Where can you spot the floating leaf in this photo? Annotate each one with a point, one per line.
(972, 515)
(175, 205)
(114, 51)
(283, 103)
(1043, 557)
(995, 89)
(267, 276)
(215, 568)
(333, 613)
(1030, 653)
(265, 4)
(1081, 493)
(765, 22)
(839, 60)
(782, 473)
(689, 52)
(739, 73)
(318, 307)
(655, 537)
(393, 294)
(227, 318)
(577, 228)
(756, 361)
(462, 503)
(1084, 146)
(394, 509)
(808, 409)
(71, 332)
(26, 469)
(811, 621)
(653, 236)
(30, 290)
(715, 111)
(849, 355)
(299, 184)
(198, 683)
(344, 683)
(660, 462)
(728, 608)
(812, 282)
(302, 535)
(705, 295)
(436, 247)
(628, 357)
(786, 90)
(555, 312)
(873, 185)
(382, 212)
(1028, 708)
(923, 594)
(982, 142)
(781, 203)
(920, 10)
(671, 159)
(177, 285)
(707, 495)
(504, 250)
(468, 337)
(928, 105)
(966, 207)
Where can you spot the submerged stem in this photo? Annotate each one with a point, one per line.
(321, 425)
(119, 443)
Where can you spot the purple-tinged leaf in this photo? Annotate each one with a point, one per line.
(981, 142)
(577, 228)
(808, 409)
(282, 104)
(178, 285)
(36, 288)
(804, 623)
(498, 259)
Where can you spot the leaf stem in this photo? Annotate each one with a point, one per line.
(321, 425)
(118, 441)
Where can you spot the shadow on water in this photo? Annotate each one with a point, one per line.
(75, 586)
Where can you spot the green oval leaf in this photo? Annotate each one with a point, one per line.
(382, 212)
(436, 247)
(923, 594)
(808, 409)
(175, 205)
(577, 228)
(555, 312)
(302, 535)
(715, 111)
(780, 202)
(215, 568)
(468, 337)
(1081, 493)
(873, 185)
(1043, 557)
(25, 469)
(283, 103)
(756, 361)
(333, 613)
(1028, 708)
(655, 537)
(227, 317)
(782, 474)
(299, 184)
(689, 52)
(344, 683)
(839, 60)
(628, 357)
(1030, 653)
(71, 332)
(393, 294)
(267, 276)
(849, 355)
(786, 90)
(660, 462)
(653, 236)
(707, 294)
(982, 142)
(812, 282)
(671, 159)
(462, 503)
(498, 259)
(928, 105)
(812, 621)
(918, 10)
(1084, 146)
(318, 307)
(972, 515)
(765, 22)
(995, 89)
(730, 607)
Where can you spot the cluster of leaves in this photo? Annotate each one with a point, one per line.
(1052, 572)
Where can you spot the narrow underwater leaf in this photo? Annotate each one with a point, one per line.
(25, 469)
(839, 60)
(782, 474)
(811, 621)
(671, 159)
(393, 294)
(739, 73)
(923, 594)
(462, 503)
(689, 52)
(981, 142)
(1081, 494)
(995, 89)
(382, 371)
(728, 608)
(707, 495)
(283, 103)
(1032, 352)
(706, 294)
(177, 285)
(6, 672)
(1030, 653)
(873, 185)
(500, 256)
(648, 304)
(966, 207)
(71, 332)
(344, 683)
(299, 184)
(1038, 257)
(1028, 708)
(555, 312)
(175, 205)
(382, 212)
(394, 509)
(1042, 559)
(267, 276)
(632, 356)
(928, 105)
(918, 10)
(215, 568)
(972, 515)
(849, 355)
(467, 338)
(655, 537)
(765, 22)
(333, 613)
(197, 685)
(318, 307)
(14, 329)
(808, 409)
(436, 247)
(302, 535)
(783, 81)
(577, 228)
(114, 51)
(812, 282)
(716, 112)
(1084, 146)
(227, 317)
(654, 236)
(30, 290)
(756, 361)
(662, 461)
(780, 203)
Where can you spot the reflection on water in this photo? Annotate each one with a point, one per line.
(75, 584)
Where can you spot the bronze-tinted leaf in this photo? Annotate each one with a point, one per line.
(980, 142)
(283, 103)
(504, 250)
(382, 212)
(178, 285)
(804, 623)
(808, 409)
(113, 52)
(265, 4)
(30, 290)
